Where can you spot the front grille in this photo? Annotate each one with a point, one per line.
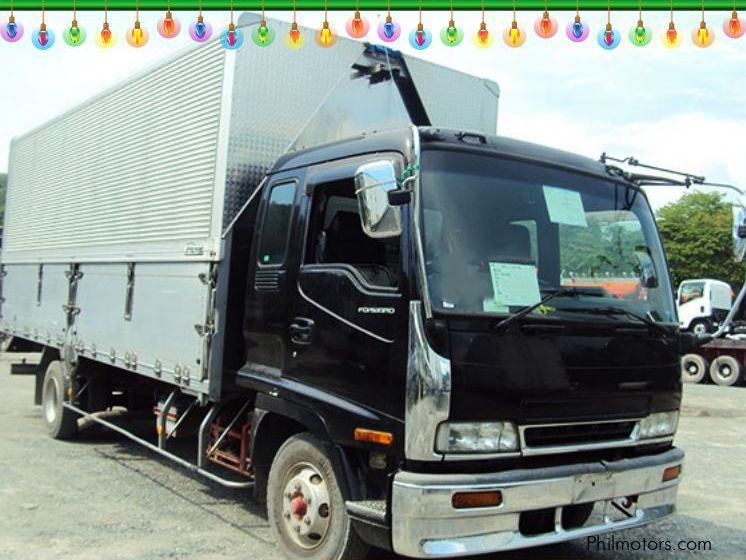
(577, 434)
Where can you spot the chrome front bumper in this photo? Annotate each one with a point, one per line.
(426, 525)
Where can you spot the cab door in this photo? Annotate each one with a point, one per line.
(272, 274)
(348, 330)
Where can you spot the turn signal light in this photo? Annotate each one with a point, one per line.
(464, 500)
(671, 473)
(373, 436)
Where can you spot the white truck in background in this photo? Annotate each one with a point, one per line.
(702, 304)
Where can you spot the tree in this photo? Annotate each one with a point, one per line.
(696, 232)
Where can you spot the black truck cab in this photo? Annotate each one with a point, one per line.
(481, 330)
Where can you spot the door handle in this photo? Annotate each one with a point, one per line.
(301, 331)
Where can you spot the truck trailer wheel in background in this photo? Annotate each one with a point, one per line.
(701, 326)
(693, 368)
(305, 506)
(61, 422)
(725, 370)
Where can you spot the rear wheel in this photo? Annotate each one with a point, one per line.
(305, 506)
(693, 368)
(62, 423)
(725, 370)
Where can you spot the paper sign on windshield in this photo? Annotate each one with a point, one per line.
(565, 206)
(514, 284)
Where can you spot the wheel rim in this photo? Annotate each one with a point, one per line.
(51, 400)
(699, 328)
(692, 368)
(306, 506)
(725, 371)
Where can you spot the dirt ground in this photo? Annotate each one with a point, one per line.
(104, 497)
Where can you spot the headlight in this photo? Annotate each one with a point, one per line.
(477, 437)
(659, 424)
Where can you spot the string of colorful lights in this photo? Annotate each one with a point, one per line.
(358, 27)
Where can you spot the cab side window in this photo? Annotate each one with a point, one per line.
(276, 229)
(336, 237)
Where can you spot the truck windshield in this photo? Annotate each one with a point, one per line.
(500, 235)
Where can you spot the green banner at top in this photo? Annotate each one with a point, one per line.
(377, 5)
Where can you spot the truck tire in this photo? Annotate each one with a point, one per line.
(306, 510)
(62, 423)
(725, 370)
(701, 326)
(693, 368)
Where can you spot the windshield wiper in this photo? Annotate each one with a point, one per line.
(611, 310)
(562, 292)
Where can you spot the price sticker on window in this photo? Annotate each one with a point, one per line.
(565, 206)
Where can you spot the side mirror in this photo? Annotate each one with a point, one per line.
(648, 275)
(373, 184)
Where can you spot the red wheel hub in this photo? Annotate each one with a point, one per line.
(298, 506)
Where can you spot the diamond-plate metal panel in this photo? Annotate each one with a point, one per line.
(276, 90)
(453, 99)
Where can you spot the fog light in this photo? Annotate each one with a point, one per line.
(463, 500)
(671, 473)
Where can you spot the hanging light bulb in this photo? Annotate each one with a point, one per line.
(734, 27)
(482, 38)
(325, 37)
(137, 36)
(608, 37)
(671, 38)
(577, 31)
(514, 36)
(357, 26)
(420, 38)
(262, 35)
(200, 31)
(168, 26)
(74, 35)
(105, 38)
(294, 38)
(703, 36)
(450, 34)
(231, 38)
(388, 30)
(639, 35)
(43, 38)
(546, 26)
(11, 31)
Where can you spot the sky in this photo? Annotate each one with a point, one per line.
(680, 108)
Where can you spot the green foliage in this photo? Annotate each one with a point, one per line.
(603, 248)
(696, 232)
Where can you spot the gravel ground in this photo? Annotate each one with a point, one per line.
(104, 497)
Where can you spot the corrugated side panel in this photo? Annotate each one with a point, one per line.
(453, 99)
(127, 176)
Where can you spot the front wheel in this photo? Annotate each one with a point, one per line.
(305, 506)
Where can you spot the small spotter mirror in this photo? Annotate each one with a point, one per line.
(646, 267)
(373, 183)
